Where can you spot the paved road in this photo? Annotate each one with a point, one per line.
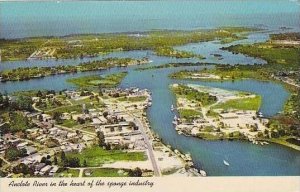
(149, 146)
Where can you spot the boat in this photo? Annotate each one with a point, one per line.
(203, 173)
(260, 114)
(172, 107)
(225, 163)
(175, 118)
(174, 122)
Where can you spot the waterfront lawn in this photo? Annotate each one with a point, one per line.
(133, 99)
(108, 81)
(194, 95)
(189, 114)
(252, 103)
(105, 172)
(65, 173)
(96, 156)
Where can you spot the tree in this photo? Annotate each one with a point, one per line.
(74, 162)
(22, 168)
(1, 162)
(1, 99)
(41, 118)
(105, 114)
(101, 138)
(24, 103)
(137, 172)
(55, 160)
(39, 94)
(43, 160)
(5, 128)
(57, 117)
(63, 156)
(18, 122)
(12, 153)
(84, 163)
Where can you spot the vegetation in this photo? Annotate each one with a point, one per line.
(67, 173)
(250, 103)
(286, 36)
(93, 45)
(108, 81)
(106, 172)
(17, 123)
(226, 72)
(171, 52)
(95, 156)
(194, 95)
(170, 65)
(279, 56)
(21, 74)
(189, 114)
(12, 153)
(133, 99)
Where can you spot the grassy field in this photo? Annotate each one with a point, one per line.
(65, 173)
(189, 114)
(108, 81)
(105, 172)
(241, 104)
(96, 156)
(193, 95)
(69, 123)
(133, 99)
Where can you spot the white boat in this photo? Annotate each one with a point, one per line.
(203, 173)
(172, 107)
(175, 118)
(174, 122)
(225, 163)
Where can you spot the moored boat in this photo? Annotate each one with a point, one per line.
(226, 163)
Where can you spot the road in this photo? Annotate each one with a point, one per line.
(149, 146)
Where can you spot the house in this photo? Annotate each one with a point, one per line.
(30, 150)
(53, 170)
(35, 99)
(45, 169)
(228, 116)
(66, 116)
(71, 135)
(39, 166)
(46, 117)
(53, 131)
(22, 145)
